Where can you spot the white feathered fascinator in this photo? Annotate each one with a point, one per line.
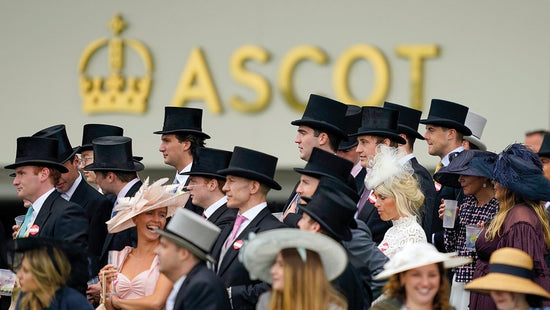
(387, 167)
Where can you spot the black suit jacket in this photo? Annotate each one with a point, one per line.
(66, 221)
(244, 291)
(369, 215)
(360, 180)
(202, 289)
(427, 187)
(121, 239)
(223, 216)
(98, 211)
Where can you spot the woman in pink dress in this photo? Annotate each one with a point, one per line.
(139, 284)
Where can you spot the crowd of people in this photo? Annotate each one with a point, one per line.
(362, 228)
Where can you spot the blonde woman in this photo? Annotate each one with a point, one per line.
(298, 265)
(42, 277)
(140, 285)
(521, 221)
(398, 198)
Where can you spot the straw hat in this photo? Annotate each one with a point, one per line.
(416, 255)
(148, 197)
(510, 270)
(259, 253)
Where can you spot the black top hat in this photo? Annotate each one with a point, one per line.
(468, 162)
(325, 114)
(37, 151)
(332, 209)
(381, 122)
(353, 122)
(64, 149)
(208, 162)
(545, 147)
(182, 120)
(408, 119)
(113, 153)
(252, 165)
(323, 163)
(448, 114)
(92, 131)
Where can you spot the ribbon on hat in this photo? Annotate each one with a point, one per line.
(511, 270)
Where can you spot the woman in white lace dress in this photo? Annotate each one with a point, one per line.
(398, 198)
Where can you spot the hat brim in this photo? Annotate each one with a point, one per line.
(507, 283)
(320, 125)
(252, 175)
(45, 163)
(344, 235)
(186, 244)
(475, 141)
(443, 122)
(346, 145)
(95, 167)
(259, 253)
(410, 131)
(449, 260)
(183, 131)
(379, 133)
(450, 178)
(208, 175)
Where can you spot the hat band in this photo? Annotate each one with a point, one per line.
(511, 270)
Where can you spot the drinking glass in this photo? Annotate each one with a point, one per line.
(112, 259)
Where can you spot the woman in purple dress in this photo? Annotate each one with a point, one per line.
(521, 221)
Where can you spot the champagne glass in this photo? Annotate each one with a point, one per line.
(112, 259)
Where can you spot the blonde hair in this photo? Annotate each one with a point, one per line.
(394, 289)
(50, 272)
(506, 204)
(408, 197)
(305, 284)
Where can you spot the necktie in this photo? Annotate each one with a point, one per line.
(363, 200)
(439, 166)
(23, 228)
(238, 221)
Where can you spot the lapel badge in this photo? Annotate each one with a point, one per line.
(34, 230)
(237, 244)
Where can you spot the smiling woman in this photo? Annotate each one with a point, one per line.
(139, 283)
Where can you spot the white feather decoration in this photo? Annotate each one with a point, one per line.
(387, 166)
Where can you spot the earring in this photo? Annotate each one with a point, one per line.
(484, 185)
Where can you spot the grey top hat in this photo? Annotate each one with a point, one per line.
(476, 123)
(64, 149)
(193, 232)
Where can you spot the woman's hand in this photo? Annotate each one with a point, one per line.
(442, 210)
(110, 272)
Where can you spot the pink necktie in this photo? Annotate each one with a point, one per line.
(238, 221)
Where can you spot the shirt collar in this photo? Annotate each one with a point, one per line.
(68, 194)
(445, 160)
(183, 178)
(215, 206)
(406, 158)
(38, 203)
(126, 188)
(254, 211)
(171, 301)
(356, 169)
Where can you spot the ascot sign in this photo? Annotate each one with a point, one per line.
(129, 95)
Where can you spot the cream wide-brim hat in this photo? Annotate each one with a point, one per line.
(259, 253)
(147, 198)
(416, 255)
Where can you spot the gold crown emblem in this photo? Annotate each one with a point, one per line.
(115, 93)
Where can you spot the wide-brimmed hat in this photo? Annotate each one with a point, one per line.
(323, 163)
(414, 255)
(380, 122)
(468, 162)
(449, 115)
(208, 162)
(510, 270)
(545, 146)
(259, 253)
(37, 151)
(64, 149)
(387, 167)
(182, 120)
(147, 198)
(193, 232)
(92, 131)
(353, 122)
(408, 119)
(334, 210)
(252, 165)
(519, 169)
(325, 114)
(476, 123)
(113, 153)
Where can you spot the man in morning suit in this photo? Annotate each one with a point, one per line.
(347, 148)
(249, 177)
(378, 126)
(37, 171)
(116, 174)
(445, 130)
(322, 126)
(408, 121)
(183, 251)
(74, 188)
(181, 135)
(205, 186)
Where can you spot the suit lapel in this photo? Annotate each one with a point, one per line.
(45, 211)
(133, 190)
(79, 195)
(180, 295)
